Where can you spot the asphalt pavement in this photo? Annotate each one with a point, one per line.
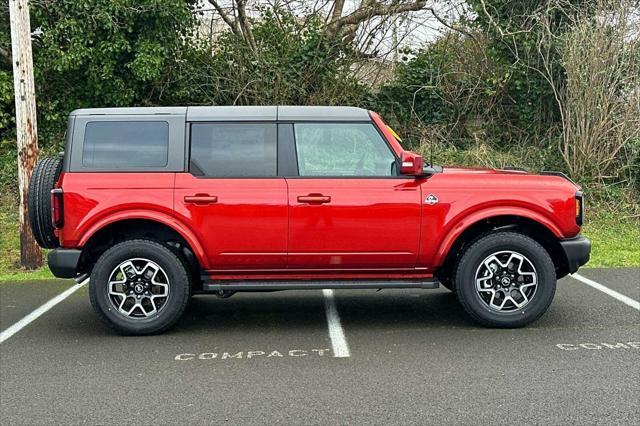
(414, 357)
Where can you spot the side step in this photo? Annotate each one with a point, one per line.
(216, 286)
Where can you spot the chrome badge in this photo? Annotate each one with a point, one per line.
(431, 199)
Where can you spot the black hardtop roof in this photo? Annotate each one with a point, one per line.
(241, 113)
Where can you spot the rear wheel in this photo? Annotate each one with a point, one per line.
(43, 179)
(505, 280)
(139, 287)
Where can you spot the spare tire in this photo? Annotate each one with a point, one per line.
(43, 179)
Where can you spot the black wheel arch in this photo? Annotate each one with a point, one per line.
(520, 224)
(132, 229)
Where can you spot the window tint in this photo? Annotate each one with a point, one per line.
(125, 144)
(342, 149)
(233, 150)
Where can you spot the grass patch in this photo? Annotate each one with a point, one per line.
(10, 269)
(24, 275)
(615, 240)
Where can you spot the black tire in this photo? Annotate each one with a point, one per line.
(44, 177)
(178, 280)
(481, 249)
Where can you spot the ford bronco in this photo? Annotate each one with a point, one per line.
(155, 205)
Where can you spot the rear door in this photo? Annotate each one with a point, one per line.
(233, 197)
(348, 207)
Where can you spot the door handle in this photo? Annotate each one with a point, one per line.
(314, 199)
(200, 199)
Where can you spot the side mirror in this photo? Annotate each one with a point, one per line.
(412, 164)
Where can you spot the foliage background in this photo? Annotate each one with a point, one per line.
(484, 93)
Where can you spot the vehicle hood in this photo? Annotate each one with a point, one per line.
(480, 170)
(546, 176)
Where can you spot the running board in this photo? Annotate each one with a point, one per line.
(218, 286)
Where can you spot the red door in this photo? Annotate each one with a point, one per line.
(366, 224)
(232, 197)
(348, 208)
(241, 223)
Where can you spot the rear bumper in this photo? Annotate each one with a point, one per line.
(63, 263)
(577, 250)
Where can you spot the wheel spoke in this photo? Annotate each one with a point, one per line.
(165, 290)
(124, 299)
(524, 297)
(527, 285)
(133, 308)
(152, 299)
(489, 265)
(114, 291)
(504, 301)
(144, 311)
(482, 283)
(493, 297)
(128, 270)
(156, 283)
(515, 256)
(150, 270)
(529, 274)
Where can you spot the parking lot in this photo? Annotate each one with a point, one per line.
(394, 356)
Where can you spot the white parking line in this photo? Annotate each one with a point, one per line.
(38, 312)
(336, 334)
(621, 297)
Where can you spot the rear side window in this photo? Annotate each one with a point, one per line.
(233, 150)
(125, 144)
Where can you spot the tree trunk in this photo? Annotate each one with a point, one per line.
(26, 128)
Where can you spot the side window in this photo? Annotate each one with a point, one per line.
(233, 150)
(125, 144)
(342, 149)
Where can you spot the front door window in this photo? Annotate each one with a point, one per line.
(342, 149)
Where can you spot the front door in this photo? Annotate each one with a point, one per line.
(348, 208)
(233, 197)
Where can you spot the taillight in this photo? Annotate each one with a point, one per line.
(57, 208)
(579, 208)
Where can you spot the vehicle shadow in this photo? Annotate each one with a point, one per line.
(304, 311)
(411, 310)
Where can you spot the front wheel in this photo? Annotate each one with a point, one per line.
(505, 279)
(139, 287)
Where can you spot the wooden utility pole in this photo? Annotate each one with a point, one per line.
(26, 129)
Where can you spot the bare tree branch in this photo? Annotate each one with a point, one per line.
(237, 20)
(456, 28)
(338, 7)
(226, 18)
(245, 25)
(368, 10)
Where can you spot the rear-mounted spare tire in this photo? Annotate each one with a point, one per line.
(43, 179)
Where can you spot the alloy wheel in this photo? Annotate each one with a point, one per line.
(138, 288)
(506, 281)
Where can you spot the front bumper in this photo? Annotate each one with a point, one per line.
(577, 250)
(63, 263)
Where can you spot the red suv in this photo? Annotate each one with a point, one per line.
(158, 204)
